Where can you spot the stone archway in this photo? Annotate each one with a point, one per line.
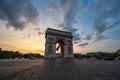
(64, 38)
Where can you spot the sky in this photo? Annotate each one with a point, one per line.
(95, 24)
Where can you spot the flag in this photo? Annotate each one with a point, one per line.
(58, 47)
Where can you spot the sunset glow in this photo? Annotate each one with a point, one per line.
(95, 24)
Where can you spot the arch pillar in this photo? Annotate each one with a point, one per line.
(50, 50)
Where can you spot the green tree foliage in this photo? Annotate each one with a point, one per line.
(105, 55)
(9, 54)
(79, 56)
(4, 54)
(99, 55)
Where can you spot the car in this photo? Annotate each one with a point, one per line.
(118, 58)
(99, 57)
(32, 57)
(109, 58)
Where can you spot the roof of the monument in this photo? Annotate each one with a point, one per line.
(58, 30)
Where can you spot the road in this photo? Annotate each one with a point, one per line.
(59, 69)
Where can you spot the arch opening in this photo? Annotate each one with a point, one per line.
(60, 48)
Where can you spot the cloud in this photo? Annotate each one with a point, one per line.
(28, 35)
(88, 37)
(17, 14)
(76, 36)
(104, 15)
(83, 44)
(108, 16)
(54, 5)
(40, 33)
(67, 12)
(37, 28)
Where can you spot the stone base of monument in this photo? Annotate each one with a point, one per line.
(50, 56)
(69, 56)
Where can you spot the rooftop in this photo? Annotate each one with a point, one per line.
(51, 29)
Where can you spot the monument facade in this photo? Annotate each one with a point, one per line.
(63, 38)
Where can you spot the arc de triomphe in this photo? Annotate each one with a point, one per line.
(63, 38)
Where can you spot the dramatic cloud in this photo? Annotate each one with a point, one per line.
(88, 37)
(54, 5)
(107, 16)
(17, 13)
(69, 11)
(83, 44)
